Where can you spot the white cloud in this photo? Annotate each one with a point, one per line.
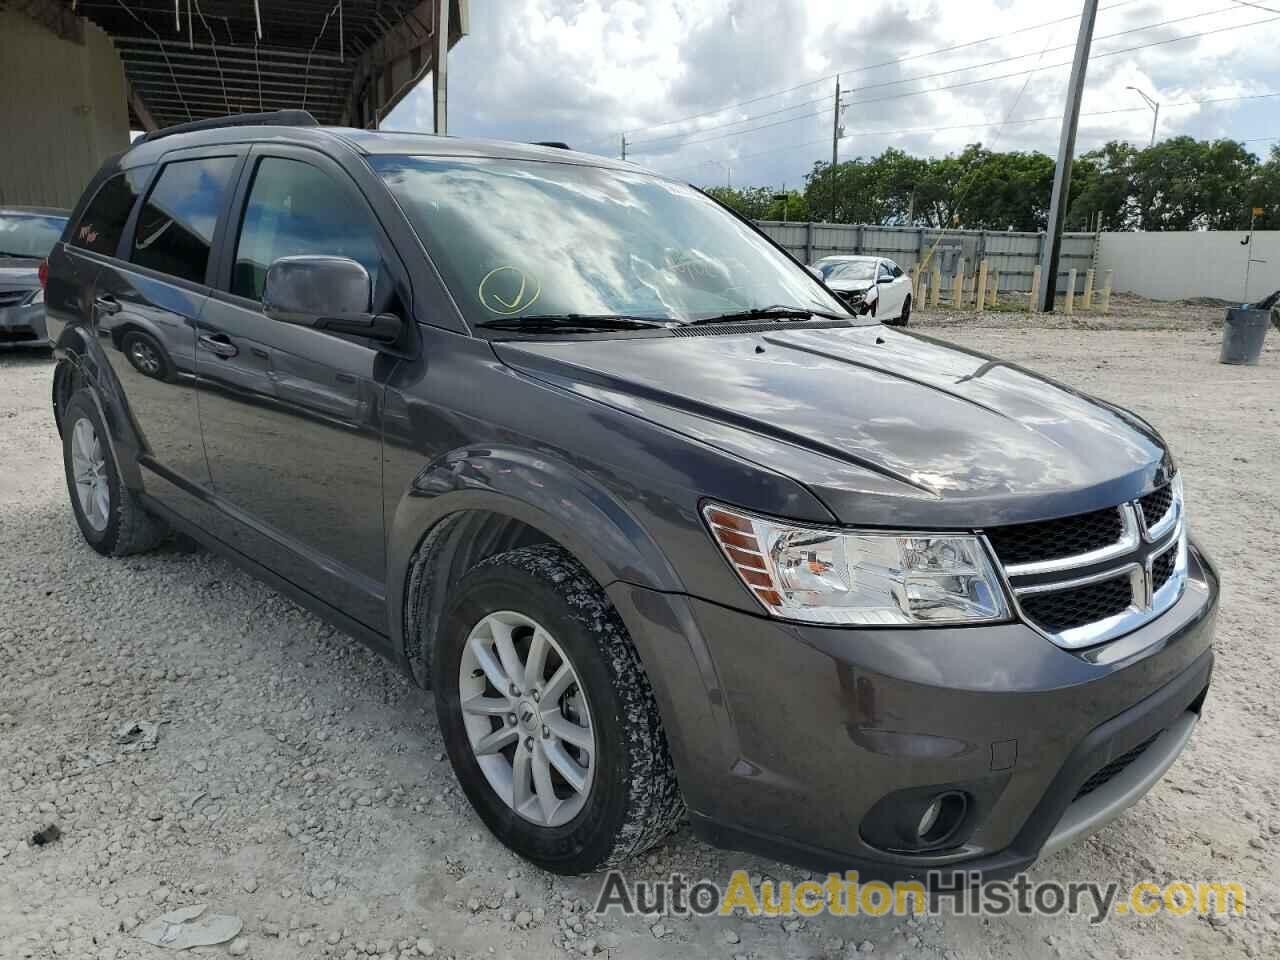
(585, 71)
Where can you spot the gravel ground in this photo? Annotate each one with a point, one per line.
(299, 784)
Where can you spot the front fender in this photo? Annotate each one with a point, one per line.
(548, 494)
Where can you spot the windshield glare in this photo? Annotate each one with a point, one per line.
(519, 238)
(29, 235)
(847, 271)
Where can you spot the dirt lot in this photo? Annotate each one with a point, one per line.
(300, 785)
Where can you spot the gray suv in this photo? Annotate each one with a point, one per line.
(664, 526)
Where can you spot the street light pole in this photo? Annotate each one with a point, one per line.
(1066, 150)
(1155, 107)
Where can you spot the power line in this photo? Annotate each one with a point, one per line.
(1256, 6)
(875, 66)
(994, 123)
(966, 83)
(931, 76)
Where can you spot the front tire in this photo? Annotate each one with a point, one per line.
(109, 515)
(904, 317)
(548, 718)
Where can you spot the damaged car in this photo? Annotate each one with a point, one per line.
(871, 286)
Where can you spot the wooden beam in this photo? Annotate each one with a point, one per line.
(141, 110)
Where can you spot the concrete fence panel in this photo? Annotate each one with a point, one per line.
(1183, 265)
(1013, 255)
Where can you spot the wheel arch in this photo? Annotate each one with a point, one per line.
(81, 364)
(474, 503)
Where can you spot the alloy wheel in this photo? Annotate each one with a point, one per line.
(144, 357)
(89, 466)
(527, 718)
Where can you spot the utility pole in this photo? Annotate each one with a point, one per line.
(624, 146)
(1155, 107)
(1249, 261)
(1066, 149)
(835, 148)
(440, 127)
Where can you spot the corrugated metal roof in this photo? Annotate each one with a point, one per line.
(193, 59)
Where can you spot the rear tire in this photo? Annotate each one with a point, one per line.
(618, 796)
(110, 517)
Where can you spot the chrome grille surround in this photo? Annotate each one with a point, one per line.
(1134, 556)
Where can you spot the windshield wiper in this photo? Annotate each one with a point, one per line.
(778, 312)
(570, 322)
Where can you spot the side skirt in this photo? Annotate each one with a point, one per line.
(377, 642)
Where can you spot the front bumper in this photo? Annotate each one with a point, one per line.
(24, 326)
(786, 737)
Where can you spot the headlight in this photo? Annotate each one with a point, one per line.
(37, 297)
(867, 577)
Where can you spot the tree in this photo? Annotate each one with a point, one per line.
(1102, 183)
(1264, 191)
(789, 205)
(1188, 184)
(752, 202)
(1179, 184)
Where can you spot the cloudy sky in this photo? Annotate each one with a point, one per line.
(709, 89)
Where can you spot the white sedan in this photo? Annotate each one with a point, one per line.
(871, 285)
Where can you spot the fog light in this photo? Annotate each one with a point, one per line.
(930, 817)
(940, 819)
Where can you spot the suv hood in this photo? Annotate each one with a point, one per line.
(19, 274)
(885, 427)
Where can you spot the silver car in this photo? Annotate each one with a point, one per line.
(27, 234)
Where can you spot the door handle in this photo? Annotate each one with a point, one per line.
(107, 304)
(219, 345)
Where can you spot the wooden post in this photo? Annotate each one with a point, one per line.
(1106, 292)
(915, 283)
(995, 288)
(957, 290)
(922, 295)
(935, 286)
(1087, 302)
(1035, 288)
(1071, 292)
(982, 286)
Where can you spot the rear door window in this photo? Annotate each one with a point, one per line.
(102, 223)
(175, 228)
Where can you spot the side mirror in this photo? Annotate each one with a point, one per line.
(326, 293)
(884, 279)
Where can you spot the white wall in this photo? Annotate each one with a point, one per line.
(1179, 266)
(63, 109)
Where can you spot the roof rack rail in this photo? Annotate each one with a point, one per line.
(559, 144)
(272, 118)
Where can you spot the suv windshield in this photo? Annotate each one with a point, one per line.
(29, 235)
(847, 271)
(519, 239)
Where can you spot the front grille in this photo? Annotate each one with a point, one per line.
(1055, 539)
(9, 298)
(1060, 610)
(1156, 504)
(1113, 769)
(1162, 568)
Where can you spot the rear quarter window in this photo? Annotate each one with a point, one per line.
(102, 223)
